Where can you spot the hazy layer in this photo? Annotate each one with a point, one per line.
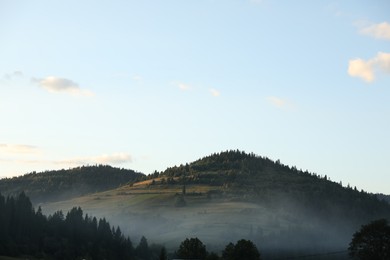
(216, 219)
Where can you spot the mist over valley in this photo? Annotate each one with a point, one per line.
(220, 198)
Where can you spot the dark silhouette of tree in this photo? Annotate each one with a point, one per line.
(27, 232)
(372, 241)
(163, 254)
(212, 256)
(243, 249)
(3, 227)
(142, 251)
(228, 252)
(192, 248)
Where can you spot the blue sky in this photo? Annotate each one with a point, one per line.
(148, 84)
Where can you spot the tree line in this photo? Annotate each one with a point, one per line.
(25, 231)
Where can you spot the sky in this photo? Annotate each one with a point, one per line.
(147, 85)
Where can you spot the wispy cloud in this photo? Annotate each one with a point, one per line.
(26, 158)
(366, 70)
(18, 149)
(12, 152)
(183, 86)
(12, 75)
(281, 103)
(379, 31)
(277, 102)
(116, 158)
(334, 8)
(214, 92)
(62, 85)
(189, 87)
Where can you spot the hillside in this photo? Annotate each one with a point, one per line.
(258, 179)
(67, 184)
(231, 195)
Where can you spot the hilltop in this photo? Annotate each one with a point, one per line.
(66, 184)
(231, 195)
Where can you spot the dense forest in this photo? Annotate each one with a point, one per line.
(24, 231)
(66, 184)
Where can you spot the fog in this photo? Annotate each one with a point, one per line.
(279, 229)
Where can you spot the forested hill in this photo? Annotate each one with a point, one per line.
(241, 176)
(66, 184)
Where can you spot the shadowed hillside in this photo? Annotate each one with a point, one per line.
(67, 184)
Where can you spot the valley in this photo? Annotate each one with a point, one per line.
(225, 197)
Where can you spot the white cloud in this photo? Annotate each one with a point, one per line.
(18, 149)
(214, 92)
(383, 61)
(62, 85)
(362, 69)
(379, 31)
(277, 102)
(366, 70)
(116, 158)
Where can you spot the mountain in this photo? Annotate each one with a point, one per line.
(232, 195)
(66, 184)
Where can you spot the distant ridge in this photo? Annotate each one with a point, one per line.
(66, 184)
